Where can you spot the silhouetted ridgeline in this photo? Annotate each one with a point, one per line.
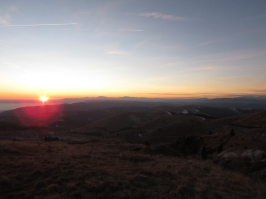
(105, 102)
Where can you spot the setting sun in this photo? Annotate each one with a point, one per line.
(43, 98)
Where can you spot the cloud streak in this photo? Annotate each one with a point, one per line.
(231, 56)
(157, 15)
(209, 42)
(184, 95)
(259, 91)
(121, 29)
(17, 67)
(117, 52)
(4, 19)
(68, 24)
(34, 25)
(131, 30)
(206, 68)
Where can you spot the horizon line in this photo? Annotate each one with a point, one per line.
(125, 97)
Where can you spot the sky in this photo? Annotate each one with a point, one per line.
(140, 48)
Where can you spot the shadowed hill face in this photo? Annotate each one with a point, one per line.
(66, 116)
(148, 124)
(107, 117)
(161, 121)
(70, 120)
(116, 123)
(254, 120)
(39, 115)
(106, 104)
(72, 115)
(174, 125)
(6, 126)
(167, 128)
(237, 143)
(207, 112)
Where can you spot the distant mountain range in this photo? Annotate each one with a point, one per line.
(232, 136)
(77, 115)
(254, 102)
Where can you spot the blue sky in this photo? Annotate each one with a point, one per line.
(144, 48)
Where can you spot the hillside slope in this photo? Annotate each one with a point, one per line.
(113, 169)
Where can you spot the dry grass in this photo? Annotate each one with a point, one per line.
(112, 169)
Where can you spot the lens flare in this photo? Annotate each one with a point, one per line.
(39, 116)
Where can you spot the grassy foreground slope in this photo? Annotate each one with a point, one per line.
(112, 168)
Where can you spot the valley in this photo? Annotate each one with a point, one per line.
(132, 149)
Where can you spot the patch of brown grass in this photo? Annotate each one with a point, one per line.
(112, 169)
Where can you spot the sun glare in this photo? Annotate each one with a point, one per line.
(43, 98)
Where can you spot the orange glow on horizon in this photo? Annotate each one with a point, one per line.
(167, 94)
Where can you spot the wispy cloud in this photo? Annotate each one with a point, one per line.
(231, 56)
(206, 68)
(180, 95)
(15, 66)
(159, 79)
(71, 24)
(116, 52)
(209, 42)
(157, 15)
(109, 29)
(5, 17)
(131, 30)
(84, 13)
(34, 25)
(258, 91)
